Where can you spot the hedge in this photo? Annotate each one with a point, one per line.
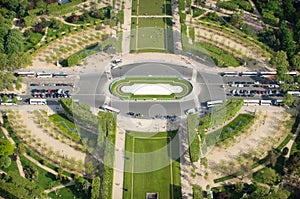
(194, 143)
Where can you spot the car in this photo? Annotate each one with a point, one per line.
(130, 113)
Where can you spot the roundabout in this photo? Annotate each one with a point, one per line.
(151, 88)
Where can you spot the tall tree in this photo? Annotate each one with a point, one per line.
(287, 41)
(14, 42)
(6, 148)
(279, 59)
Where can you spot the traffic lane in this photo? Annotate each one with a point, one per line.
(89, 82)
(149, 108)
(209, 78)
(210, 92)
(155, 69)
(94, 100)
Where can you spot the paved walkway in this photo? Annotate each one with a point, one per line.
(185, 163)
(176, 27)
(18, 161)
(126, 27)
(71, 183)
(119, 164)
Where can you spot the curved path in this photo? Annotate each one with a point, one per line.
(18, 161)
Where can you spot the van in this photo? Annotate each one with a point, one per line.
(116, 61)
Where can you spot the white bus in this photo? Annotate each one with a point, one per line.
(26, 73)
(109, 109)
(295, 93)
(265, 102)
(248, 74)
(44, 75)
(251, 102)
(210, 104)
(38, 101)
(61, 75)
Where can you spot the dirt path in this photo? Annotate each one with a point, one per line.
(71, 183)
(64, 149)
(266, 132)
(18, 161)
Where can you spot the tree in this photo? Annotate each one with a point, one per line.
(5, 162)
(293, 163)
(279, 194)
(6, 148)
(14, 42)
(279, 59)
(287, 41)
(31, 173)
(73, 60)
(236, 20)
(95, 188)
(239, 186)
(268, 176)
(3, 61)
(271, 158)
(89, 168)
(295, 62)
(289, 100)
(260, 192)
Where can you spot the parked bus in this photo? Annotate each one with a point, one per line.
(210, 104)
(268, 73)
(44, 75)
(251, 102)
(61, 75)
(248, 74)
(26, 74)
(229, 74)
(295, 93)
(265, 102)
(109, 109)
(38, 101)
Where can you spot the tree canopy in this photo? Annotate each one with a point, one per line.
(6, 148)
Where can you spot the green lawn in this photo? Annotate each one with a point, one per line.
(67, 193)
(153, 167)
(237, 126)
(45, 179)
(68, 127)
(154, 7)
(116, 87)
(152, 33)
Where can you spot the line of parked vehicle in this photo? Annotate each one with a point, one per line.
(252, 93)
(50, 93)
(253, 84)
(51, 84)
(9, 97)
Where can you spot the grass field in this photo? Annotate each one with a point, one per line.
(152, 165)
(154, 7)
(151, 33)
(116, 86)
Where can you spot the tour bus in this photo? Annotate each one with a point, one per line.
(38, 101)
(230, 74)
(248, 74)
(251, 102)
(109, 109)
(268, 73)
(44, 75)
(265, 102)
(295, 93)
(61, 75)
(210, 104)
(26, 73)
